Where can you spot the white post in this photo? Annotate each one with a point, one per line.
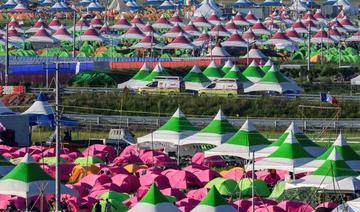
(308, 61)
(57, 141)
(253, 178)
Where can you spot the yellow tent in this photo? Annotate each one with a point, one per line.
(131, 168)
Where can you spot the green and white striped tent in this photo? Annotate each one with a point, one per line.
(246, 141)
(288, 156)
(331, 171)
(28, 179)
(267, 66)
(196, 80)
(311, 147)
(274, 81)
(154, 201)
(343, 148)
(235, 73)
(156, 72)
(137, 81)
(253, 72)
(214, 202)
(227, 66)
(216, 132)
(213, 72)
(172, 132)
(5, 166)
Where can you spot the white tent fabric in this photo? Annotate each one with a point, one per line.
(355, 81)
(350, 206)
(298, 6)
(118, 5)
(207, 8)
(347, 7)
(347, 185)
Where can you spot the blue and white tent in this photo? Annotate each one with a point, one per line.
(271, 3)
(153, 2)
(244, 3)
(85, 2)
(58, 7)
(41, 113)
(167, 5)
(10, 4)
(133, 5)
(94, 7)
(347, 7)
(47, 3)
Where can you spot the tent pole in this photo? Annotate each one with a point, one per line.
(74, 35)
(253, 186)
(178, 152)
(57, 143)
(308, 50)
(6, 70)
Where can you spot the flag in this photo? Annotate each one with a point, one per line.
(327, 97)
(187, 2)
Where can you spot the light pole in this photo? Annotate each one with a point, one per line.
(57, 139)
(6, 70)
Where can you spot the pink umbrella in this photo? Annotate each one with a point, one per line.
(327, 205)
(140, 193)
(128, 183)
(87, 202)
(131, 202)
(65, 172)
(128, 151)
(288, 205)
(80, 189)
(93, 179)
(187, 204)
(99, 189)
(113, 170)
(51, 152)
(270, 208)
(4, 148)
(181, 179)
(215, 160)
(197, 194)
(198, 158)
(242, 204)
(235, 174)
(270, 177)
(148, 156)
(195, 167)
(161, 181)
(173, 192)
(206, 175)
(127, 159)
(100, 151)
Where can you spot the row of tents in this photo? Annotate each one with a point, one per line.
(254, 78)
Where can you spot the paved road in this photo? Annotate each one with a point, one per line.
(153, 122)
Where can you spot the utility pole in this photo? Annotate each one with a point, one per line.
(57, 141)
(6, 70)
(74, 34)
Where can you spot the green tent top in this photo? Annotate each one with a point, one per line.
(290, 149)
(178, 123)
(115, 205)
(156, 72)
(142, 73)
(87, 161)
(274, 76)
(27, 171)
(219, 125)
(213, 198)
(334, 166)
(195, 75)
(227, 66)
(253, 72)
(235, 73)
(310, 146)
(224, 186)
(154, 196)
(267, 66)
(213, 71)
(343, 148)
(248, 136)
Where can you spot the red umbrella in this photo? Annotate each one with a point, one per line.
(137, 21)
(187, 204)
(214, 19)
(122, 23)
(327, 205)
